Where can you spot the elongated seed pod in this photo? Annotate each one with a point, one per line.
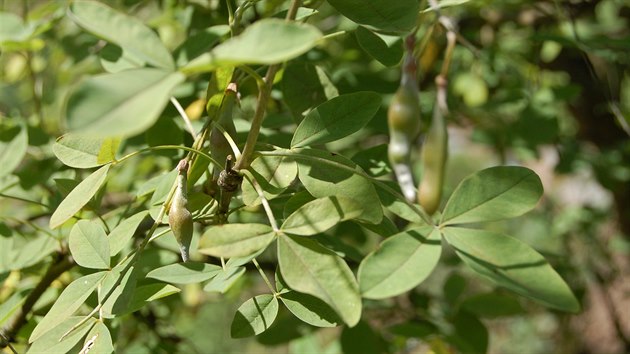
(403, 120)
(179, 216)
(434, 155)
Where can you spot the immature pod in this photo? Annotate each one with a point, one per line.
(403, 120)
(179, 216)
(434, 154)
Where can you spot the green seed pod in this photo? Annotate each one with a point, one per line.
(403, 120)
(434, 154)
(403, 115)
(179, 216)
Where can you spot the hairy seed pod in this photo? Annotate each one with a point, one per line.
(434, 154)
(179, 216)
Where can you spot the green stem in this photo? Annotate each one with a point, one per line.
(182, 113)
(169, 147)
(260, 82)
(263, 200)
(23, 200)
(264, 276)
(332, 35)
(235, 150)
(261, 104)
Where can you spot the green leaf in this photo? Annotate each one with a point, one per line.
(88, 245)
(273, 173)
(310, 268)
(85, 152)
(493, 194)
(320, 215)
(415, 329)
(268, 41)
(118, 302)
(235, 240)
(99, 340)
(307, 308)
(223, 281)
(79, 197)
(13, 28)
(326, 174)
(21, 252)
(310, 309)
(123, 232)
(470, 335)
(150, 292)
(13, 144)
(254, 316)
(200, 42)
(492, 305)
(336, 118)
(390, 16)
(185, 273)
(72, 297)
(361, 339)
(397, 205)
(453, 288)
(387, 53)
(302, 87)
(512, 264)
(374, 161)
(120, 104)
(50, 343)
(400, 263)
(140, 42)
(10, 305)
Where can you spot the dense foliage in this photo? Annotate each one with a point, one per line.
(314, 176)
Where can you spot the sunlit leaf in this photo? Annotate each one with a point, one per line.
(254, 316)
(268, 41)
(492, 194)
(235, 240)
(72, 297)
(273, 174)
(99, 340)
(13, 144)
(224, 280)
(512, 264)
(142, 44)
(326, 174)
(400, 263)
(85, 152)
(310, 268)
(336, 118)
(79, 197)
(185, 273)
(88, 245)
(320, 214)
(120, 104)
(50, 343)
(123, 232)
